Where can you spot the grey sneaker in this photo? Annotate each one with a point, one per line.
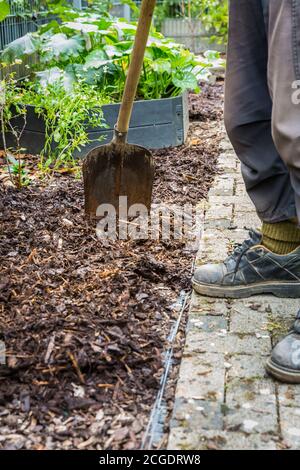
(250, 270)
(284, 363)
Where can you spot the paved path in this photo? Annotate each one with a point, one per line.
(224, 399)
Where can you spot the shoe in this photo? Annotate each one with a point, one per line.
(284, 363)
(250, 270)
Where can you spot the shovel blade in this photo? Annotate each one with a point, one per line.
(114, 170)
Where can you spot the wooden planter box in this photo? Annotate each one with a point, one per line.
(154, 124)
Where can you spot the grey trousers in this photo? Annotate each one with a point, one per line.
(261, 116)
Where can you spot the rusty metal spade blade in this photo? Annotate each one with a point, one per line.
(120, 168)
(114, 170)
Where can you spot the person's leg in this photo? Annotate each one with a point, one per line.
(248, 109)
(253, 268)
(283, 70)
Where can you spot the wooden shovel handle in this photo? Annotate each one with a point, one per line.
(136, 64)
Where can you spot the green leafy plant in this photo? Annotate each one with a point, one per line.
(215, 18)
(67, 117)
(95, 49)
(4, 9)
(10, 110)
(213, 15)
(18, 171)
(82, 64)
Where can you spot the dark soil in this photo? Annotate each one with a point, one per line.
(85, 322)
(207, 106)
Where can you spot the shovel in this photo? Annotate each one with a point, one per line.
(119, 168)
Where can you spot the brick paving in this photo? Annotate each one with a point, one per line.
(224, 398)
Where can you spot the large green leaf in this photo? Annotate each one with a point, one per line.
(185, 80)
(82, 27)
(123, 29)
(202, 73)
(48, 29)
(89, 76)
(59, 46)
(26, 45)
(113, 51)
(54, 75)
(4, 9)
(161, 66)
(102, 23)
(96, 59)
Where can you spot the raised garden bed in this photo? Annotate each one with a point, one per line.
(154, 124)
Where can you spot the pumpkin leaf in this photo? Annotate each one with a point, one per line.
(17, 49)
(96, 59)
(185, 80)
(54, 75)
(59, 46)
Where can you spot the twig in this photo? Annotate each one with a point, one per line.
(49, 349)
(76, 367)
(2, 104)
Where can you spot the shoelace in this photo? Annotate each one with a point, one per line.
(240, 249)
(239, 259)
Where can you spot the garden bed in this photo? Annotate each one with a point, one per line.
(154, 124)
(86, 322)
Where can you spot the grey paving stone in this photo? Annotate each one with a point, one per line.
(223, 186)
(210, 325)
(249, 319)
(257, 395)
(226, 145)
(207, 306)
(201, 343)
(218, 223)
(240, 190)
(251, 421)
(246, 345)
(281, 308)
(290, 426)
(228, 157)
(226, 200)
(181, 439)
(218, 212)
(239, 441)
(288, 395)
(242, 367)
(199, 377)
(246, 219)
(224, 397)
(189, 413)
(213, 253)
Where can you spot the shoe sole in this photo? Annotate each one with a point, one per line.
(282, 374)
(279, 289)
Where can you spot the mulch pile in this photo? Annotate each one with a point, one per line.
(85, 321)
(207, 106)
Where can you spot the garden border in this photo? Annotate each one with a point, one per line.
(154, 124)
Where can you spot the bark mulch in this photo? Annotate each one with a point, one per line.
(85, 321)
(207, 106)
